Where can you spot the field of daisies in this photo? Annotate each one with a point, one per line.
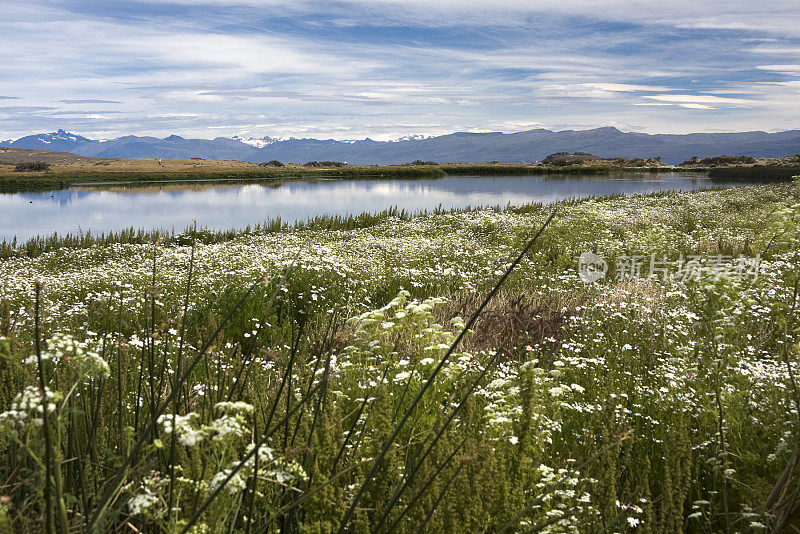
(634, 371)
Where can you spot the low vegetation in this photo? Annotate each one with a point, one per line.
(316, 379)
(756, 173)
(719, 161)
(565, 159)
(333, 164)
(31, 166)
(60, 180)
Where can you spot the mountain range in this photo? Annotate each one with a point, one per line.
(528, 146)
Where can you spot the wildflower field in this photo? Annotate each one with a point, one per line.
(341, 380)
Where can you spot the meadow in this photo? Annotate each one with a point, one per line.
(448, 372)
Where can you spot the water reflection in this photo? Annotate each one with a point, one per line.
(170, 206)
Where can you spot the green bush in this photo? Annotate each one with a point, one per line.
(32, 166)
(325, 164)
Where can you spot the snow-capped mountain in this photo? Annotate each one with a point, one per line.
(60, 140)
(532, 145)
(260, 142)
(411, 138)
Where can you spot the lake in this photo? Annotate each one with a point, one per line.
(235, 205)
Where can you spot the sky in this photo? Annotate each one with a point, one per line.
(385, 69)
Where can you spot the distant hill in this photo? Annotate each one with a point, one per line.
(528, 146)
(20, 155)
(60, 141)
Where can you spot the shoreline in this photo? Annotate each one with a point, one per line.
(41, 244)
(16, 182)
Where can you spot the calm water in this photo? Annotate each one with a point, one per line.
(222, 206)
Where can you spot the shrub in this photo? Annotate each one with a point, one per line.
(31, 166)
(325, 164)
(561, 163)
(720, 160)
(273, 163)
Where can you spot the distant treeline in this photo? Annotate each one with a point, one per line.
(766, 173)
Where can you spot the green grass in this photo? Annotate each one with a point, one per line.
(602, 170)
(336, 353)
(766, 173)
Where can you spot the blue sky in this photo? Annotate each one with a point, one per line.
(389, 68)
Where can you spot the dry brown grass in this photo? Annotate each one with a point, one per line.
(71, 164)
(514, 320)
(155, 166)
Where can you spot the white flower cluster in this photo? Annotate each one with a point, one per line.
(27, 406)
(138, 504)
(231, 424)
(278, 470)
(83, 354)
(236, 483)
(285, 471)
(188, 436)
(234, 407)
(145, 502)
(559, 496)
(227, 426)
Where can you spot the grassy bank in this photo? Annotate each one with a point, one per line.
(483, 169)
(60, 180)
(316, 379)
(766, 174)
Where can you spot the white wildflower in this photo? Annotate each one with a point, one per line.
(227, 426)
(234, 407)
(141, 503)
(234, 485)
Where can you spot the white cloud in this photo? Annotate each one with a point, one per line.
(776, 50)
(625, 88)
(696, 106)
(700, 99)
(191, 76)
(784, 69)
